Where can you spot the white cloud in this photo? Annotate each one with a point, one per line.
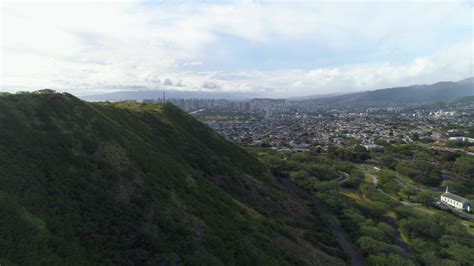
(92, 47)
(453, 63)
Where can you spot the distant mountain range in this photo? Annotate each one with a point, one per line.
(402, 96)
(397, 96)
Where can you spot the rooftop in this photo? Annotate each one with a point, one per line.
(455, 197)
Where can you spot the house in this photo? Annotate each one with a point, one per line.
(456, 201)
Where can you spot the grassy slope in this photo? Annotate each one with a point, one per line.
(84, 183)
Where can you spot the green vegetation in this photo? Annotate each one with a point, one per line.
(420, 170)
(121, 183)
(388, 182)
(126, 183)
(464, 166)
(212, 115)
(459, 144)
(392, 223)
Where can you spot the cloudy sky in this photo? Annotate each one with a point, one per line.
(275, 48)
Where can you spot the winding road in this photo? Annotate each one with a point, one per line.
(330, 220)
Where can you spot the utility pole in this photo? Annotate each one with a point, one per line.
(164, 98)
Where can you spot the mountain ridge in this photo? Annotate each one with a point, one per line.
(414, 95)
(125, 183)
(402, 96)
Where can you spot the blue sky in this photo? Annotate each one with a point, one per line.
(282, 48)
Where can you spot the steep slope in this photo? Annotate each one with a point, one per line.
(100, 183)
(402, 96)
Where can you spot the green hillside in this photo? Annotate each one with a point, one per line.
(103, 183)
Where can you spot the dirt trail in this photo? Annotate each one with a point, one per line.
(330, 220)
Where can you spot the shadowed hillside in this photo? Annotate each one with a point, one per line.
(101, 183)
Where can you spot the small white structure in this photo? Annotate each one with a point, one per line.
(456, 201)
(471, 140)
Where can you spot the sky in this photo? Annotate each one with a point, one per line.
(273, 48)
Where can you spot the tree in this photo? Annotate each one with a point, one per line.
(388, 182)
(381, 259)
(464, 166)
(407, 192)
(354, 142)
(425, 197)
(361, 153)
(354, 180)
(461, 253)
(299, 175)
(422, 171)
(388, 160)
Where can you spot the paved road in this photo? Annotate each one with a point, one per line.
(330, 220)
